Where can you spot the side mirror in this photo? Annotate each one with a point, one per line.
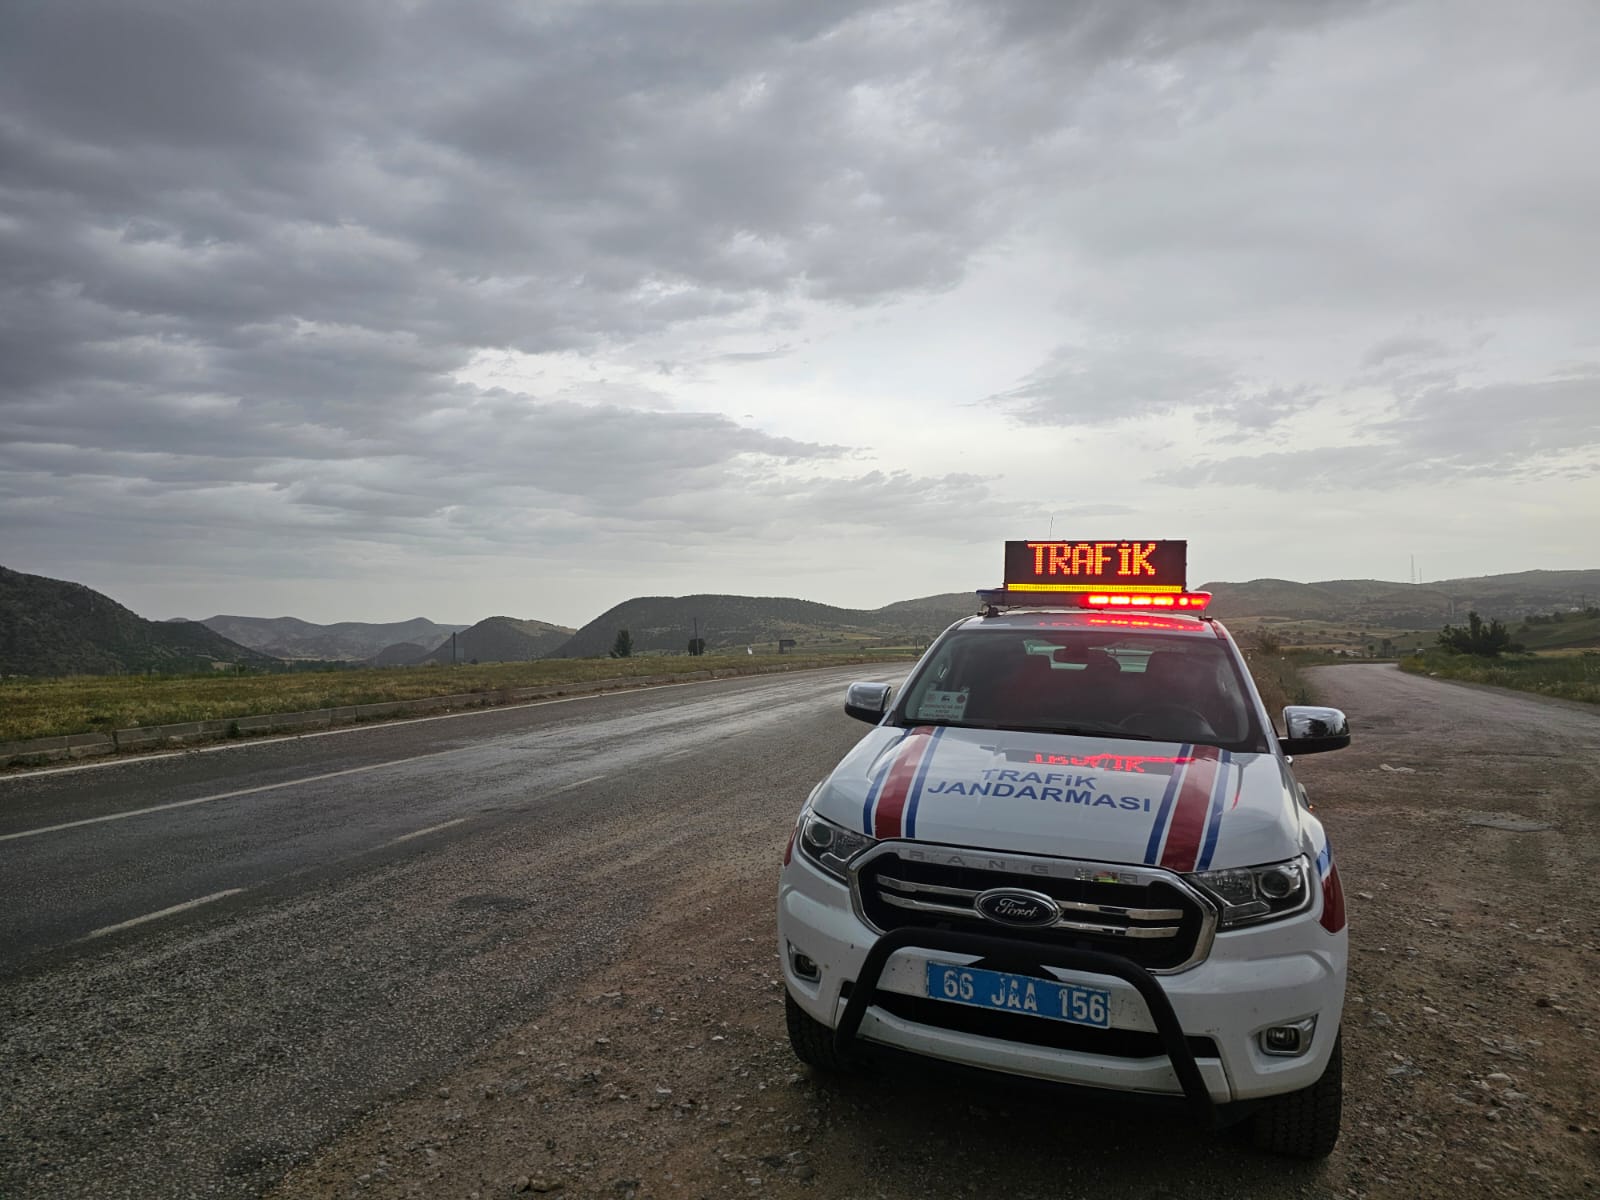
(1313, 729)
(867, 701)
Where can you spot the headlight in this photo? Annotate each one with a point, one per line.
(830, 846)
(1248, 895)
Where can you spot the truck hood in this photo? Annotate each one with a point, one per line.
(1181, 806)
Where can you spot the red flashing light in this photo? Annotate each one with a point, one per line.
(1189, 601)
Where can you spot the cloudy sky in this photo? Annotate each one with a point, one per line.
(364, 311)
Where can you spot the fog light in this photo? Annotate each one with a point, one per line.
(1288, 1041)
(804, 966)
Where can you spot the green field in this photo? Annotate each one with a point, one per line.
(1559, 630)
(34, 708)
(1354, 639)
(1279, 681)
(1571, 675)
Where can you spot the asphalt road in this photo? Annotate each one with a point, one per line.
(572, 974)
(211, 962)
(1463, 823)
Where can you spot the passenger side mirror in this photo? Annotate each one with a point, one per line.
(867, 701)
(1313, 729)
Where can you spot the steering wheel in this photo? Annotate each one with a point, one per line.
(1166, 719)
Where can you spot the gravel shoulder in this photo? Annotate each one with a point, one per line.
(1464, 823)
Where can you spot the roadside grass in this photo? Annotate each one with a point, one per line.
(1279, 680)
(1567, 675)
(36, 708)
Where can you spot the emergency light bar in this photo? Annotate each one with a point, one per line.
(1165, 601)
(1102, 575)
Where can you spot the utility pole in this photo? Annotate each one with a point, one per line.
(454, 661)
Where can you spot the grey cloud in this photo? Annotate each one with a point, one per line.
(742, 356)
(1098, 384)
(1499, 428)
(1094, 385)
(1507, 430)
(486, 175)
(1403, 346)
(457, 442)
(247, 249)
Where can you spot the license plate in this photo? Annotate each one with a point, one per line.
(1005, 992)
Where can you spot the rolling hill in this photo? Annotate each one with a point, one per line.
(501, 639)
(52, 627)
(401, 654)
(1406, 606)
(347, 641)
(666, 623)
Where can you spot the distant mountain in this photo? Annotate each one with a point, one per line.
(1407, 606)
(349, 641)
(401, 654)
(938, 610)
(52, 627)
(501, 639)
(666, 623)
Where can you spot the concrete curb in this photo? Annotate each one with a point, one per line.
(41, 751)
(54, 749)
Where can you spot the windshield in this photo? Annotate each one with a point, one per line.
(1149, 688)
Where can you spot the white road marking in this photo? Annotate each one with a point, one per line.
(250, 791)
(165, 912)
(416, 833)
(578, 784)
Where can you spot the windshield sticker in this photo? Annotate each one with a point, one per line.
(943, 706)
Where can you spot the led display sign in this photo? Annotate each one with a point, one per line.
(1127, 566)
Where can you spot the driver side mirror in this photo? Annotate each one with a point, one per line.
(1313, 729)
(867, 701)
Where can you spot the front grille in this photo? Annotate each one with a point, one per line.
(1033, 1031)
(1152, 922)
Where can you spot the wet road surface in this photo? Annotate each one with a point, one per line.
(371, 905)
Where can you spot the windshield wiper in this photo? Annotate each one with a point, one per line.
(948, 722)
(1085, 731)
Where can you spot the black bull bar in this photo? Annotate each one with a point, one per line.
(987, 946)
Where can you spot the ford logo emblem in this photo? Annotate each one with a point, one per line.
(1017, 906)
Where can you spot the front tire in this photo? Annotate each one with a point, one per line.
(1305, 1124)
(812, 1041)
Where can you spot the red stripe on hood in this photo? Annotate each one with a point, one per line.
(886, 818)
(1189, 811)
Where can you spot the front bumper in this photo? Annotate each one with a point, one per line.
(1252, 979)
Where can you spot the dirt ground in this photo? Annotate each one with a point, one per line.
(1464, 822)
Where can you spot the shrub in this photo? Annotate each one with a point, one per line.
(1484, 641)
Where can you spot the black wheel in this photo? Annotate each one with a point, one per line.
(811, 1040)
(1305, 1124)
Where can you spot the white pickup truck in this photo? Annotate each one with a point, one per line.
(1072, 849)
